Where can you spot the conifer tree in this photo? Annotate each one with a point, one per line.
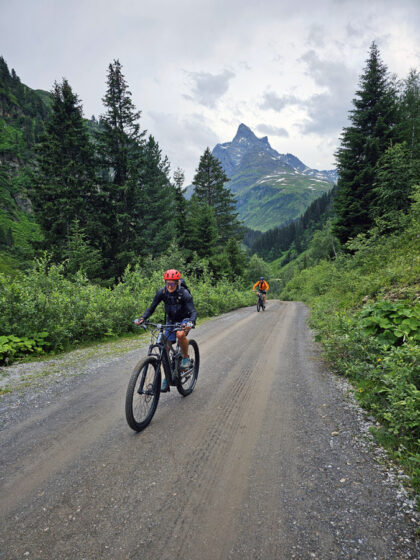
(371, 131)
(65, 190)
(409, 116)
(119, 135)
(209, 187)
(396, 174)
(202, 236)
(156, 203)
(180, 206)
(120, 146)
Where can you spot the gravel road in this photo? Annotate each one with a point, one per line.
(268, 459)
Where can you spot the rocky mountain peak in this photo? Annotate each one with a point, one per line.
(244, 133)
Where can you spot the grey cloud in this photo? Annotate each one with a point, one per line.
(272, 130)
(353, 31)
(185, 139)
(275, 102)
(327, 111)
(316, 35)
(209, 88)
(326, 114)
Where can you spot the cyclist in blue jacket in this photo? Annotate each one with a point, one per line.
(179, 308)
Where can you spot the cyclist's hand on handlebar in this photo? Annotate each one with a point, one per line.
(188, 326)
(138, 321)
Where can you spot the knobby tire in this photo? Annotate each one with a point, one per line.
(186, 383)
(140, 408)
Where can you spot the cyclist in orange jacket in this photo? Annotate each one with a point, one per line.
(263, 287)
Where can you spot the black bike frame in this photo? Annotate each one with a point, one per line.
(163, 356)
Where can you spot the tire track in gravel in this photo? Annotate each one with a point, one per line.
(216, 472)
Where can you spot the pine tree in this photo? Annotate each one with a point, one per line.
(180, 206)
(409, 116)
(120, 147)
(157, 202)
(65, 188)
(119, 135)
(202, 237)
(372, 129)
(396, 174)
(209, 187)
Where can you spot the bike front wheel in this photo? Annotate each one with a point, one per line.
(258, 306)
(143, 393)
(186, 381)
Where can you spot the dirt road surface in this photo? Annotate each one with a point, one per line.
(264, 461)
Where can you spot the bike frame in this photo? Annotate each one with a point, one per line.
(164, 355)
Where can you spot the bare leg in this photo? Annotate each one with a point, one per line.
(183, 342)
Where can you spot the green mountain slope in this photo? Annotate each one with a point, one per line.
(23, 112)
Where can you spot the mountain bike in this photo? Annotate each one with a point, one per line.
(144, 387)
(260, 302)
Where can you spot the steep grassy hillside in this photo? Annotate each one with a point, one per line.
(366, 311)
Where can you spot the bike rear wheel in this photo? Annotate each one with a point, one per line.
(186, 381)
(143, 393)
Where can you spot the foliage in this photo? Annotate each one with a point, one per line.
(257, 268)
(391, 322)
(13, 347)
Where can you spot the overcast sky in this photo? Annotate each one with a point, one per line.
(198, 68)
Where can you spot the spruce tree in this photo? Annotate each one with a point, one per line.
(202, 236)
(180, 206)
(156, 204)
(396, 174)
(371, 131)
(120, 147)
(409, 115)
(209, 188)
(64, 188)
(119, 134)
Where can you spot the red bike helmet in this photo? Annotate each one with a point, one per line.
(172, 274)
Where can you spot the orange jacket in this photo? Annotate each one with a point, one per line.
(264, 285)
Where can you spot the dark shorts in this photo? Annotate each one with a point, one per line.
(171, 333)
(262, 291)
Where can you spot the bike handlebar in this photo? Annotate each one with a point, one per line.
(161, 326)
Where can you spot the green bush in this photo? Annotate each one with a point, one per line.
(391, 322)
(12, 347)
